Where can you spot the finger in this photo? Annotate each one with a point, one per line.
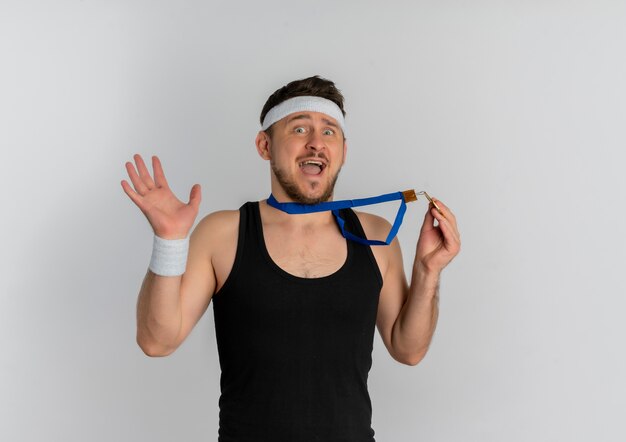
(429, 221)
(159, 175)
(450, 235)
(140, 187)
(448, 215)
(446, 211)
(134, 196)
(143, 172)
(195, 196)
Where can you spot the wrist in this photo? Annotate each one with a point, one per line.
(171, 236)
(424, 276)
(169, 256)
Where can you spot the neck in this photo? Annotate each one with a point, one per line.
(296, 219)
(302, 220)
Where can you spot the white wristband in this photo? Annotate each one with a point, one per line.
(169, 256)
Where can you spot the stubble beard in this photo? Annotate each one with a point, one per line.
(292, 191)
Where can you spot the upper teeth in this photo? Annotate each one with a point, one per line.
(317, 163)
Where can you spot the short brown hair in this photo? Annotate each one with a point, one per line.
(312, 86)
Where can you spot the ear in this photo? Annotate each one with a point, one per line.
(345, 151)
(263, 145)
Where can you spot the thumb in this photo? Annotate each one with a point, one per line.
(195, 196)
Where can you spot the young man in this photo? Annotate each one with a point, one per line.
(295, 303)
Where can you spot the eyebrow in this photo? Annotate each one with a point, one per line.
(308, 117)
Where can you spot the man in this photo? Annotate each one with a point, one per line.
(295, 303)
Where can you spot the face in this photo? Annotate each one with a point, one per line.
(306, 152)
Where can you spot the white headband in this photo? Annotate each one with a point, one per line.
(304, 103)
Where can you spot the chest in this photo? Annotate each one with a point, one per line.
(306, 253)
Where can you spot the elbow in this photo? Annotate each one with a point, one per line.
(157, 353)
(412, 359)
(154, 350)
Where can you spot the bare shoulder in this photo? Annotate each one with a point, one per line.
(217, 229)
(377, 227)
(214, 242)
(221, 219)
(374, 226)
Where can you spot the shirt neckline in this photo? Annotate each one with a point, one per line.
(284, 273)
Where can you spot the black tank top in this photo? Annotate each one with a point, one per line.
(294, 352)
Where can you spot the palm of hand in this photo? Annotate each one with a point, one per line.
(169, 217)
(167, 214)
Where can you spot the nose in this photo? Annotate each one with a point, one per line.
(315, 141)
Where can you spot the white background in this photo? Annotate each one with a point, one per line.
(512, 113)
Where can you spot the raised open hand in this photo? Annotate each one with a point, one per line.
(169, 217)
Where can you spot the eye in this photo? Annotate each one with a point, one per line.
(329, 132)
(299, 130)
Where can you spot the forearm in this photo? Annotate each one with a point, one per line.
(159, 315)
(415, 325)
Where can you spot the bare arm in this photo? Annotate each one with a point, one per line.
(168, 307)
(159, 315)
(407, 315)
(413, 330)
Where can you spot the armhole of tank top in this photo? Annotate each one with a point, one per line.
(360, 232)
(241, 237)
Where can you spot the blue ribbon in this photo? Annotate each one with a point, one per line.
(335, 206)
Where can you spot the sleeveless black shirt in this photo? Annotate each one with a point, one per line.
(294, 352)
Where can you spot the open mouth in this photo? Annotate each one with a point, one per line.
(312, 167)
